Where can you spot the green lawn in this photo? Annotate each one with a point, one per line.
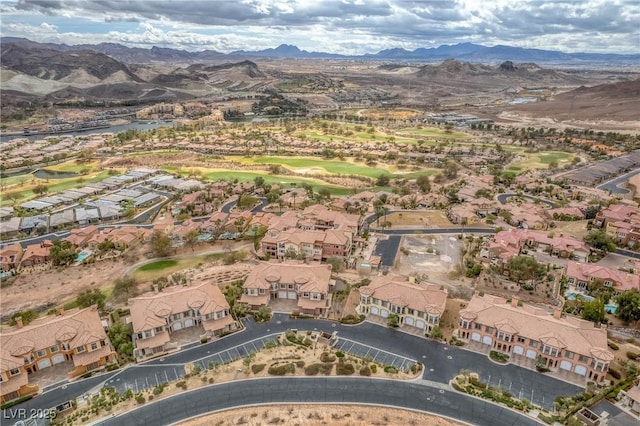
(159, 265)
(541, 160)
(72, 166)
(433, 132)
(329, 166)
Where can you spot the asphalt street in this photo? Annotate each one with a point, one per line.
(441, 362)
(612, 185)
(502, 198)
(334, 390)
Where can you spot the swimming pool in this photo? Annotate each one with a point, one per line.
(609, 308)
(82, 256)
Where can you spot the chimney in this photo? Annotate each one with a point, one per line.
(514, 302)
(19, 322)
(61, 311)
(557, 313)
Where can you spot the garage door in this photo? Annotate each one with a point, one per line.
(475, 337)
(408, 321)
(188, 323)
(518, 350)
(57, 359)
(282, 295)
(44, 363)
(531, 354)
(566, 365)
(420, 324)
(384, 313)
(581, 370)
(177, 326)
(374, 310)
(292, 295)
(487, 340)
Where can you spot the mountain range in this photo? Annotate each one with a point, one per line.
(463, 51)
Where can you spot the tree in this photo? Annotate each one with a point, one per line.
(124, 285)
(91, 297)
(383, 180)
(263, 314)
(27, 317)
(450, 170)
(594, 311)
(62, 253)
(337, 264)
(13, 196)
(120, 337)
(628, 306)
(324, 193)
(393, 320)
(524, 268)
(40, 189)
(436, 333)
(246, 201)
(423, 183)
(191, 238)
(258, 181)
(600, 240)
(160, 244)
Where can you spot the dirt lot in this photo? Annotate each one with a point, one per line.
(427, 219)
(352, 415)
(576, 228)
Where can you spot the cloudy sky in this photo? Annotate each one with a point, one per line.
(337, 26)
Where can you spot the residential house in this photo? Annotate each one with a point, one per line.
(11, 227)
(630, 400)
(316, 245)
(156, 316)
(75, 337)
(416, 305)
(530, 333)
(60, 220)
(36, 254)
(306, 284)
(616, 213)
(10, 256)
(580, 275)
(80, 237)
(565, 213)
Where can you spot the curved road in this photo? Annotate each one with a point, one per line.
(612, 185)
(336, 390)
(502, 198)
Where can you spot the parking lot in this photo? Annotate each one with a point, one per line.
(235, 353)
(375, 355)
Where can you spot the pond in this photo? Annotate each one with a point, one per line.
(50, 174)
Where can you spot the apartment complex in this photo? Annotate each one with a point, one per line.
(306, 284)
(155, 316)
(622, 223)
(550, 340)
(76, 336)
(416, 305)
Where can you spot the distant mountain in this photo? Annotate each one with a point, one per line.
(469, 52)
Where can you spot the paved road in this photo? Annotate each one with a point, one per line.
(388, 250)
(612, 185)
(226, 208)
(334, 390)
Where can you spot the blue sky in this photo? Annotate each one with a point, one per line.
(337, 26)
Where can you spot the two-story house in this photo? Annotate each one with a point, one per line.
(75, 337)
(580, 275)
(155, 316)
(416, 305)
(10, 256)
(552, 341)
(306, 284)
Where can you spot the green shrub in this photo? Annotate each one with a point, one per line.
(345, 369)
(256, 368)
(477, 383)
(300, 364)
(10, 404)
(158, 389)
(613, 346)
(615, 373)
(281, 370)
(140, 399)
(204, 340)
(181, 384)
(312, 369)
(326, 369)
(633, 355)
(499, 356)
(390, 369)
(340, 354)
(365, 371)
(374, 368)
(352, 319)
(327, 357)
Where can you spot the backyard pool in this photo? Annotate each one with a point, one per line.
(609, 308)
(82, 256)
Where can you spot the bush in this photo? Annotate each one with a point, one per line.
(140, 399)
(365, 371)
(256, 368)
(340, 354)
(613, 346)
(615, 374)
(312, 369)
(281, 370)
(327, 357)
(182, 384)
(499, 357)
(352, 319)
(158, 389)
(633, 355)
(326, 369)
(10, 404)
(477, 383)
(204, 340)
(300, 364)
(374, 368)
(390, 369)
(345, 369)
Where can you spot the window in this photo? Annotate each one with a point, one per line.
(14, 371)
(583, 358)
(533, 343)
(261, 291)
(306, 294)
(41, 353)
(283, 286)
(568, 354)
(94, 346)
(159, 329)
(521, 339)
(53, 349)
(489, 329)
(290, 286)
(80, 349)
(478, 326)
